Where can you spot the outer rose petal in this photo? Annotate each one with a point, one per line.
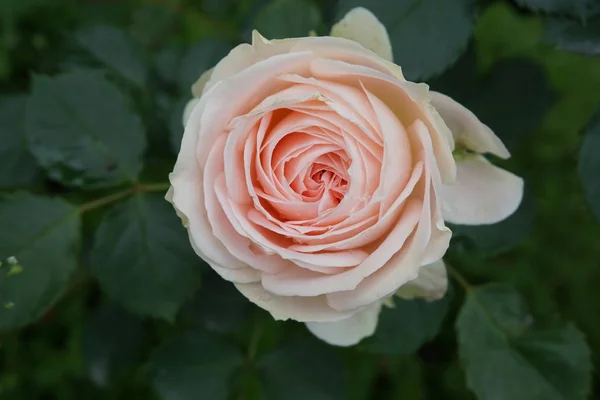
(200, 84)
(187, 111)
(466, 128)
(362, 26)
(303, 309)
(245, 55)
(349, 331)
(431, 283)
(483, 193)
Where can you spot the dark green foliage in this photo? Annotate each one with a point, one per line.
(143, 259)
(18, 166)
(39, 242)
(282, 19)
(417, 26)
(76, 123)
(505, 358)
(589, 165)
(395, 335)
(102, 296)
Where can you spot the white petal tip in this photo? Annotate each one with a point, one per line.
(363, 27)
(483, 194)
(349, 331)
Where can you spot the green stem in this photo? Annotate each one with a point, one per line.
(102, 201)
(154, 187)
(253, 347)
(113, 197)
(457, 276)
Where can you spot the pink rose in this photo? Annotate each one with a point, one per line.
(311, 175)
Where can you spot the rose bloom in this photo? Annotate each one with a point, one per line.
(317, 179)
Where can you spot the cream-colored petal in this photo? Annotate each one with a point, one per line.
(431, 283)
(187, 111)
(363, 27)
(200, 84)
(348, 331)
(466, 128)
(303, 309)
(483, 193)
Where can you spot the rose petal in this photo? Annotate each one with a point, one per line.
(187, 111)
(199, 86)
(304, 283)
(314, 309)
(409, 101)
(431, 283)
(466, 128)
(363, 27)
(186, 196)
(403, 264)
(348, 331)
(482, 194)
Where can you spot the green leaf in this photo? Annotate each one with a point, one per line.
(406, 379)
(219, 8)
(198, 58)
(427, 35)
(218, 306)
(589, 165)
(504, 358)
(167, 64)
(38, 241)
(570, 35)
(194, 365)
(81, 129)
(404, 328)
(577, 8)
(18, 166)
(153, 23)
(512, 98)
(303, 369)
(116, 50)
(143, 258)
(362, 371)
(112, 341)
(503, 236)
(282, 19)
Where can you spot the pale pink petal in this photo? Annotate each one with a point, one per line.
(408, 101)
(242, 275)
(397, 153)
(482, 194)
(303, 283)
(201, 84)
(221, 220)
(314, 309)
(348, 331)
(187, 180)
(187, 111)
(405, 260)
(225, 100)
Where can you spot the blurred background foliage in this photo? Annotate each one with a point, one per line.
(530, 69)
